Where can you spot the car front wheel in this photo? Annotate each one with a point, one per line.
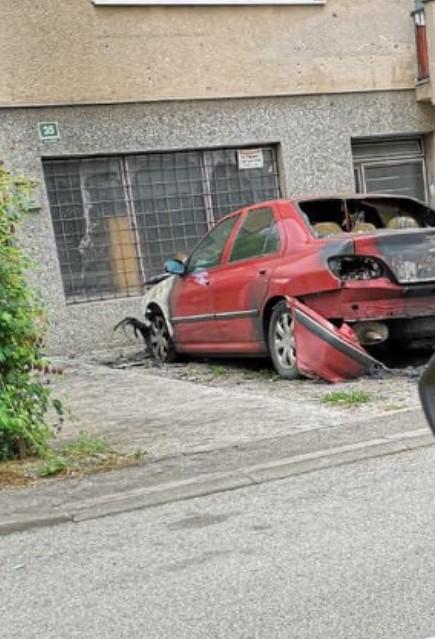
(282, 346)
(160, 344)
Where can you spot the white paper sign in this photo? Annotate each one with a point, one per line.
(250, 159)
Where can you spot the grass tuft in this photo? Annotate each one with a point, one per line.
(86, 445)
(218, 371)
(52, 467)
(346, 398)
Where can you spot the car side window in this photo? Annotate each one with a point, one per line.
(209, 252)
(257, 236)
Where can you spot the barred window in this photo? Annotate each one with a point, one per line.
(117, 219)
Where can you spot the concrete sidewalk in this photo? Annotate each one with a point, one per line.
(147, 409)
(184, 476)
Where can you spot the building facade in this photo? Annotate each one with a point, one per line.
(144, 122)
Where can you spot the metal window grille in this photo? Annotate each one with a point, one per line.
(117, 219)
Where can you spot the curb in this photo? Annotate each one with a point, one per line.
(208, 484)
(28, 523)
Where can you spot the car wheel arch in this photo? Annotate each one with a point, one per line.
(154, 308)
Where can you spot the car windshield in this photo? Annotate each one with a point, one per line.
(329, 217)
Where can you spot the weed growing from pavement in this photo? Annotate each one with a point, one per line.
(86, 445)
(85, 455)
(346, 398)
(219, 370)
(53, 466)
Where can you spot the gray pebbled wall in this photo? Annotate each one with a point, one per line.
(314, 134)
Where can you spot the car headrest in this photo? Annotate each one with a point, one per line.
(403, 222)
(324, 229)
(364, 227)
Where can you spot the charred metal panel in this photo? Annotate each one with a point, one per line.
(337, 247)
(160, 294)
(410, 255)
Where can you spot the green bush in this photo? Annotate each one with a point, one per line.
(24, 398)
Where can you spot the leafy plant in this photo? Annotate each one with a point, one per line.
(24, 398)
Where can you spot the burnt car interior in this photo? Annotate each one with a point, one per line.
(328, 217)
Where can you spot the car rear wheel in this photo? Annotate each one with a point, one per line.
(282, 346)
(160, 344)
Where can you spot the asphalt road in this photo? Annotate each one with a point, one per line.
(346, 552)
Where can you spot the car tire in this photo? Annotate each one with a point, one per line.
(160, 344)
(281, 342)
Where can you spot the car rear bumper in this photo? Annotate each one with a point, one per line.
(340, 305)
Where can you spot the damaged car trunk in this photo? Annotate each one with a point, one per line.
(409, 255)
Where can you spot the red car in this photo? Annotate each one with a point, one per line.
(312, 282)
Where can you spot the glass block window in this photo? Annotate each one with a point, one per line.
(117, 219)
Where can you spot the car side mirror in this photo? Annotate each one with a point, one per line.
(175, 267)
(426, 389)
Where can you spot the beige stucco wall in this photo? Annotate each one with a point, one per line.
(70, 51)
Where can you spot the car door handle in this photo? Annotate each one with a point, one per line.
(262, 271)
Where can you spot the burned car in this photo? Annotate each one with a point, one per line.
(315, 283)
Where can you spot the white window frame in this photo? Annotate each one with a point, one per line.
(131, 3)
(365, 162)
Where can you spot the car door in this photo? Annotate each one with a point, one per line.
(241, 284)
(192, 302)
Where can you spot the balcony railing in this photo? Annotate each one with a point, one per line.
(421, 42)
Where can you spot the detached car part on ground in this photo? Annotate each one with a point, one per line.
(312, 282)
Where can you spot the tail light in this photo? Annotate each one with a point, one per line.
(356, 267)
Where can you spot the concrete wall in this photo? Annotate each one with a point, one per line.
(314, 136)
(70, 51)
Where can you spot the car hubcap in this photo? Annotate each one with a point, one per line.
(284, 341)
(159, 339)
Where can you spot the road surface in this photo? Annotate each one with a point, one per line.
(347, 552)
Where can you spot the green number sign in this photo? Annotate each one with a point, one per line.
(48, 130)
